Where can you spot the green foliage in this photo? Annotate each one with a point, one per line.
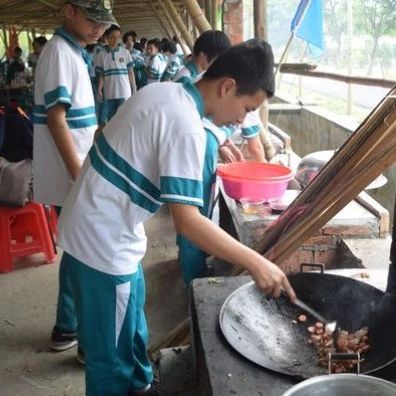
(375, 17)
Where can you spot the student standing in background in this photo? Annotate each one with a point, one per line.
(116, 80)
(64, 127)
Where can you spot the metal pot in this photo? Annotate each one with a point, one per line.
(343, 385)
(311, 164)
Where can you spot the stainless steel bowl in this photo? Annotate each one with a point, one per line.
(343, 385)
(311, 164)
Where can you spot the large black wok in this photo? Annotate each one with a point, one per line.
(263, 330)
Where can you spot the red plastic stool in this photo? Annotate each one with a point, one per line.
(24, 231)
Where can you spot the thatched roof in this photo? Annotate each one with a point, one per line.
(138, 15)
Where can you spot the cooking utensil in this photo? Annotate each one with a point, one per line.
(311, 164)
(330, 326)
(263, 330)
(343, 385)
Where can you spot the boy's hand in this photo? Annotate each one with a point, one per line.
(271, 279)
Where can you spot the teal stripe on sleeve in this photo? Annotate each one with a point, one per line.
(251, 131)
(39, 120)
(179, 189)
(39, 109)
(82, 122)
(58, 95)
(85, 111)
(116, 180)
(110, 155)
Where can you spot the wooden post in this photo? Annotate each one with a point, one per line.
(208, 10)
(213, 14)
(178, 21)
(197, 15)
(261, 32)
(350, 37)
(260, 19)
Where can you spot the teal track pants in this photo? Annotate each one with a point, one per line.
(111, 328)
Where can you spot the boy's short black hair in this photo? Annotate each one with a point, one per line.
(163, 44)
(40, 40)
(155, 41)
(17, 49)
(250, 64)
(111, 29)
(170, 47)
(125, 37)
(211, 43)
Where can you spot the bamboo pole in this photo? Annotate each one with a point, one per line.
(208, 10)
(357, 162)
(174, 18)
(213, 14)
(161, 21)
(178, 21)
(173, 26)
(197, 15)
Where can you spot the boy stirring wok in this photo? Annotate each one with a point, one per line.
(151, 153)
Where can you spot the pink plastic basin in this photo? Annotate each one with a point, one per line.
(254, 180)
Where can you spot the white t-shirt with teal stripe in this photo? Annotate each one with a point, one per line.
(155, 68)
(61, 78)
(114, 65)
(151, 152)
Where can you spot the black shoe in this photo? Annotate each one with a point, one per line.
(61, 341)
(154, 390)
(80, 356)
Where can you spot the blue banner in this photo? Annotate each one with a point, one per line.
(307, 24)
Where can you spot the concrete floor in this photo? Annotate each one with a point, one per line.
(27, 312)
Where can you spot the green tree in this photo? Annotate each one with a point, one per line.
(375, 18)
(335, 17)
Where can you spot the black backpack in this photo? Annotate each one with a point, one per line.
(16, 134)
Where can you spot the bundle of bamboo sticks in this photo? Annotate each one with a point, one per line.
(369, 151)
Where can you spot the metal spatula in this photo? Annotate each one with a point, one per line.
(331, 326)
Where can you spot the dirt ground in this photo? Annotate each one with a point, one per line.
(27, 312)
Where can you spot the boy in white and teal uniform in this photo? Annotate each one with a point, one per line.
(134, 166)
(156, 63)
(137, 59)
(115, 72)
(64, 127)
(206, 48)
(174, 61)
(62, 78)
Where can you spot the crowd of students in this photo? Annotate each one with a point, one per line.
(121, 65)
